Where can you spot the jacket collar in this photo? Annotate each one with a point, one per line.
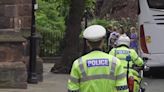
(95, 49)
(122, 46)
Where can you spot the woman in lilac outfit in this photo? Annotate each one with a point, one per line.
(133, 39)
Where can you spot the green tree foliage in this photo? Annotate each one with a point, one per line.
(49, 16)
(105, 23)
(50, 21)
(102, 22)
(90, 4)
(52, 13)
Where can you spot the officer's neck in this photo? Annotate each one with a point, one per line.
(95, 49)
(123, 46)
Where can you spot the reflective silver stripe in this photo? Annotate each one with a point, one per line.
(115, 52)
(81, 67)
(94, 77)
(75, 80)
(125, 87)
(113, 66)
(129, 52)
(122, 58)
(100, 76)
(123, 75)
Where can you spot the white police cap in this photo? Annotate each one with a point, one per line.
(94, 33)
(123, 40)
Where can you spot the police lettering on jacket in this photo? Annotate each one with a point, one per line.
(122, 52)
(97, 62)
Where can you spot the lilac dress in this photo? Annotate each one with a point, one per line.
(133, 44)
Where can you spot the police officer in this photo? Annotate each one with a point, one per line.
(97, 71)
(122, 51)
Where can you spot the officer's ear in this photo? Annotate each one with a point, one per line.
(101, 44)
(88, 44)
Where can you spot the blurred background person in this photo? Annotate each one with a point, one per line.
(121, 31)
(113, 38)
(108, 32)
(133, 38)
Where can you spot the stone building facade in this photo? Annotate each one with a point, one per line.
(15, 14)
(15, 17)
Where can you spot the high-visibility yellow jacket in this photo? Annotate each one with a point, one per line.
(97, 72)
(122, 52)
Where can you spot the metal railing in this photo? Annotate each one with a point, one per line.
(51, 44)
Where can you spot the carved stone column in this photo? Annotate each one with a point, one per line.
(15, 16)
(13, 71)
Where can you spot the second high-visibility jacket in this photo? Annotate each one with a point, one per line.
(97, 72)
(122, 52)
